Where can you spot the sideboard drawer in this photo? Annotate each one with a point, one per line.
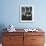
(37, 39)
(13, 33)
(34, 33)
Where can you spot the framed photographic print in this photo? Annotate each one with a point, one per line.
(26, 13)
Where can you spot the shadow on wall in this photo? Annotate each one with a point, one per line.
(2, 26)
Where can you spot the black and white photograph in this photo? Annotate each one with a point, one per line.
(26, 13)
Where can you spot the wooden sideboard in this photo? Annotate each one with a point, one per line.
(23, 39)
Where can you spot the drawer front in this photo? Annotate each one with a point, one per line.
(12, 39)
(12, 44)
(37, 45)
(37, 39)
(13, 33)
(34, 33)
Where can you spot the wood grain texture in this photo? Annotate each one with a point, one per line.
(23, 39)
(34, 39)
(13, 39)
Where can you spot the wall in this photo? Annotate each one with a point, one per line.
(10, 12)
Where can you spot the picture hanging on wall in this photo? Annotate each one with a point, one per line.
(26, 13)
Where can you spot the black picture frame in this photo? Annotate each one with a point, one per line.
(26, 13)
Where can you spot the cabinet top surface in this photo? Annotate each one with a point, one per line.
(22, 30)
